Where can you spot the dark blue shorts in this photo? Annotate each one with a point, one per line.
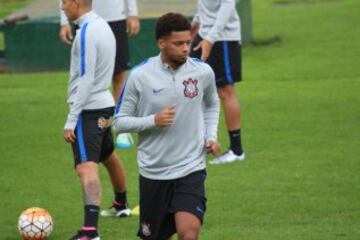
(161, 199)
(122, 59)
(224, 59)
(94, 140)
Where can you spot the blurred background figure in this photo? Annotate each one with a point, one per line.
(217, 37)
(121, 16)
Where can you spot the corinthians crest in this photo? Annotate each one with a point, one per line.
(104, 123)
(191, 90)
(145, 229)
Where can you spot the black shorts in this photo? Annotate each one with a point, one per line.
(161, 199)
(122, 59)
(224, 59)
(94, 140)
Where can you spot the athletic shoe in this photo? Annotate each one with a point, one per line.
(124, 140)
(86, 235)
(228, 157)
(116, 211)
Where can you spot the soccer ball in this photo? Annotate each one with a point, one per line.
(35, 224)
(124, 140)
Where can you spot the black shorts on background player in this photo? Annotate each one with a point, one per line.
(161, 199)
(122, 59)
(94, 140)
(224, 59)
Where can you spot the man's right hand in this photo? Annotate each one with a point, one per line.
(205, 46)
(69, 136)
(65, 34)
(166, 116)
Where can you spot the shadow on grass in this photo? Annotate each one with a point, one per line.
(292, 3)
(266, 42)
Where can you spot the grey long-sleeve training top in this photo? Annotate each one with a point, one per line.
(110, 10)
(92, 67)
(219, 20)
(178, 150)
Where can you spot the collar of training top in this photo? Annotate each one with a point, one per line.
(84, 18)
(168, 67)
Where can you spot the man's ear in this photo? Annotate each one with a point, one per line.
(161, 43)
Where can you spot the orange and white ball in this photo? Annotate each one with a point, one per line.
(35, 224)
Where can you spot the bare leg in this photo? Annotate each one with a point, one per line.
(118, 82)
(116, 172)
(231, 107)
(88, 173)
(187, 226)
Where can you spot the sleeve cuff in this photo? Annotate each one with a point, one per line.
(196, 19)
(133, 11)
(152, 121)
(64, 22)
(210, 39)
(132, 15)
(70, 124)
(211, 138)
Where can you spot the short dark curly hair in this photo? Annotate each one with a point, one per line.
(171, 22)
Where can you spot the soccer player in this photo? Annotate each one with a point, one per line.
(122, 18)
(91, 105)
(216, 28)
(171, 101)
(121, 15)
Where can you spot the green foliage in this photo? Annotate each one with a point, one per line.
(2, 41)
(9, 6)
(300, 113)
(6, 8)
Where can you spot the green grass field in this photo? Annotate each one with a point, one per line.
(301, 131)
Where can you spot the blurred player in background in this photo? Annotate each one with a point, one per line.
(88, 124)
(217, 37)
(121, 16)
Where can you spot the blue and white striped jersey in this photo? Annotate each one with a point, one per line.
(92, 67)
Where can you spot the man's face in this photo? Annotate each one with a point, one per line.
(70, 8)
(176, 46)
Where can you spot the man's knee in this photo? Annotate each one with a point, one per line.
(226, 92)
(187, 226)
(87, 171)
(188, 234)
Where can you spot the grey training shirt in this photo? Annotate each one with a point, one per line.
(178, 150)
(92, 67)
(219, 20)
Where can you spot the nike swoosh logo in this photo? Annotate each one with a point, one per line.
(199, 209)
(156, 91)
